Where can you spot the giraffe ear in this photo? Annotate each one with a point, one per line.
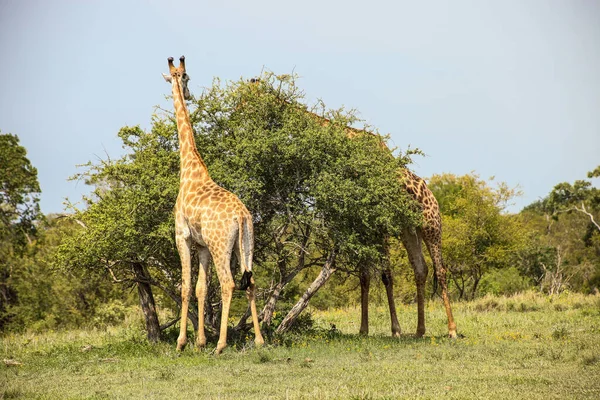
(167, 78)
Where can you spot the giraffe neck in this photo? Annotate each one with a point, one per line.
(191, 163)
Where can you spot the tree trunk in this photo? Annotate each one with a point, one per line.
(269, 309)
(477, 275)
(326, 272)
(147, 302)
(365, 283)
(192, 316)
(459, 285)
(267, 313)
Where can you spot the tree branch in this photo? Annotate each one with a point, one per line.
(584, 211)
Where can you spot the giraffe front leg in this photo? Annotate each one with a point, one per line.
(388, 282)
(183, 247)
(412, 242)
(420, 279)
(201, 290)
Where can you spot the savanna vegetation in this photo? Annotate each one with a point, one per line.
(528, 346)
(89, 299)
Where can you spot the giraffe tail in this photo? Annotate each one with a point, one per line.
(247, 275)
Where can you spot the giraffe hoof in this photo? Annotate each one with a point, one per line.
(452, 335)
(220, 348)
(199, 346)
(259, 341)
(181, 344)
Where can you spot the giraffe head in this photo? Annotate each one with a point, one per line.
(179, 75)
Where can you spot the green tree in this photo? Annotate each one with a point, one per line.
(478, 235)
(565, 251)
(319, 200)
(127, 228)
(49, 298)
(581, 197)
(19, 211)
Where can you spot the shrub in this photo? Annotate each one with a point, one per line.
(505, 281)
(110, 314)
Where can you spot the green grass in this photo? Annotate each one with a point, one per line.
(527, 346)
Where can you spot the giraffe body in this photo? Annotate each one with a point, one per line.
(212, 218)
(431, 234)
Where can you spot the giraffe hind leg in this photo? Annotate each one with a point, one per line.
(201, 290)
(434, 247)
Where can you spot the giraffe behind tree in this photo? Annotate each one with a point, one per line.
(212, 218)
(412, 239)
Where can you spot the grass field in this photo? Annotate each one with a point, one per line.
(525, 347)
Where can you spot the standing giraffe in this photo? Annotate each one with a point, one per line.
(212, 218)
(412, 239)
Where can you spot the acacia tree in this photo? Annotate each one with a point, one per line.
(126, 226)
(318, 199)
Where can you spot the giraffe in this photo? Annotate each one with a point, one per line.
(212, 218)
(412, 239)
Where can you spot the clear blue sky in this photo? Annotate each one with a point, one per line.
(508, 88)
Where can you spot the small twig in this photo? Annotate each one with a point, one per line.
(73, 219)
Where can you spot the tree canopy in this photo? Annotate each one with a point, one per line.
(478, 235)
(312, 190)
(19, 192)
(19, 211)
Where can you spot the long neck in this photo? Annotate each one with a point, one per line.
(191, 164)
(351, 132)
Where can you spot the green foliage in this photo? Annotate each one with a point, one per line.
(291, 170)
(564, 248)
(19, 193)
(310, 188)
(19, 212)
(48, 298)
(504, 281)
(111, 313)
(478, 236)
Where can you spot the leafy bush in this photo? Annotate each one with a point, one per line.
(110, 314)
(505, 281)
